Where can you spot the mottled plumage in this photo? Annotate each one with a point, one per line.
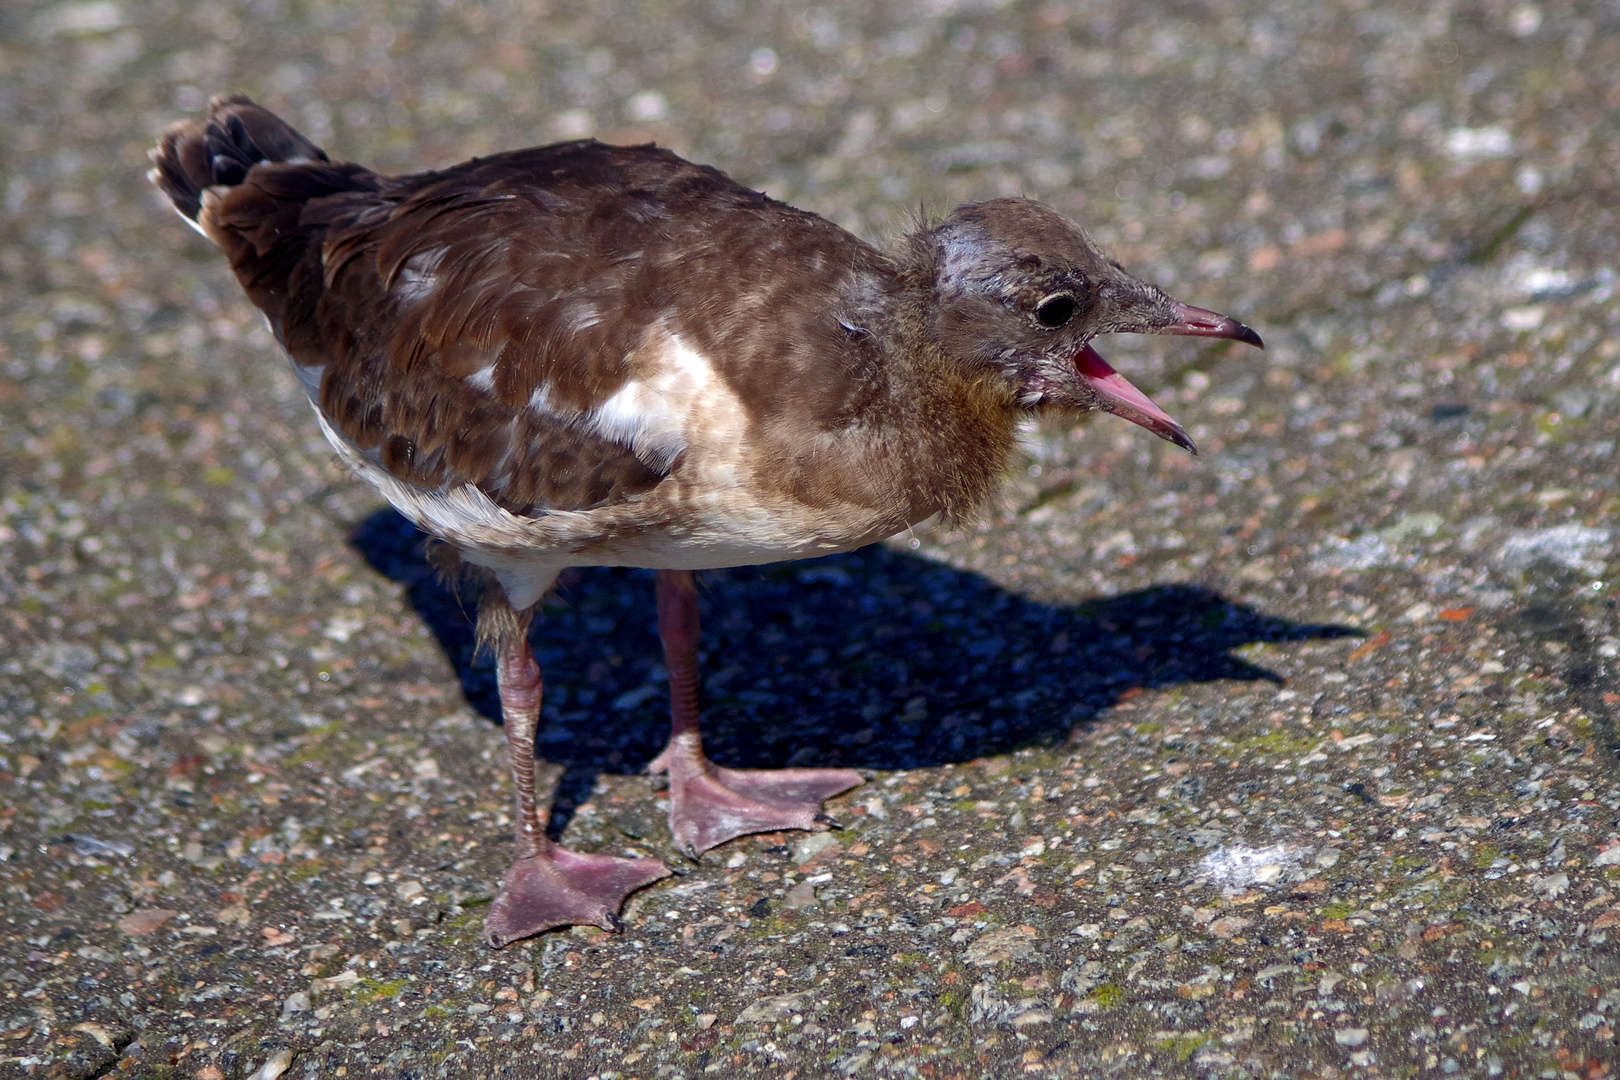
(584, 354)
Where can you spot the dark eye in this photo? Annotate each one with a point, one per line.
(1055, 311)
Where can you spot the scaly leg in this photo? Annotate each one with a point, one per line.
(548, 885)
(708, 804)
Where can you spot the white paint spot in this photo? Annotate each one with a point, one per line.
(1237, 866)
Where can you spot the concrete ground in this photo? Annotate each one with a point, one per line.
(1295, 759)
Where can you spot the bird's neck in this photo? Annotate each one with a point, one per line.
(948, 422)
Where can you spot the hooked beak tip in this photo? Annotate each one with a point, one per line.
(1200, 322)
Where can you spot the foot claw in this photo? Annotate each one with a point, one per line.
(823, 819)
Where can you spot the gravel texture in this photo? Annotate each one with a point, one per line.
(1297, 759)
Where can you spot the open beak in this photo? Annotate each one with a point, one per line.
(1122, 399)
(1197, 322)
(1119, 397)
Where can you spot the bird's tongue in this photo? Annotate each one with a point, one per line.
(1122, 399)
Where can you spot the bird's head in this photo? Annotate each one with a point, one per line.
(1022, 289)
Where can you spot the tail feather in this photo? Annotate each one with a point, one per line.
(262, 192)
(194, 155)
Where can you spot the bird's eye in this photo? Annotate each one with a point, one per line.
(1055, 311)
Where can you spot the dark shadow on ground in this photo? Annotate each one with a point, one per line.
(875, 659)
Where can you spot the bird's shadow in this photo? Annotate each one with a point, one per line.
(876, 659)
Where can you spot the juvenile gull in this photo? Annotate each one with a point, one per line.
(590, 355)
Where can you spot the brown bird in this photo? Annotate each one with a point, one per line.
(589, 355)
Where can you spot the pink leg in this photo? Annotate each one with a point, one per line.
(547, 885)
(709, 805)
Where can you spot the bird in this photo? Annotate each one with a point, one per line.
(592, 355)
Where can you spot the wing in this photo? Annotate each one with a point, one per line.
(489, 324)
(463, 327)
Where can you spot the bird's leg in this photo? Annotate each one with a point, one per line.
(708, 804)
(548, 885)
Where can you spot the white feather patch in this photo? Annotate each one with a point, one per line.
(652, 415)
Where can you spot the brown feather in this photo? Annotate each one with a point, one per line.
(467, 328)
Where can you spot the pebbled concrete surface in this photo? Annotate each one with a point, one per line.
(1297, 759)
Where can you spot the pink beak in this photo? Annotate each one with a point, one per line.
(1122, 399)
